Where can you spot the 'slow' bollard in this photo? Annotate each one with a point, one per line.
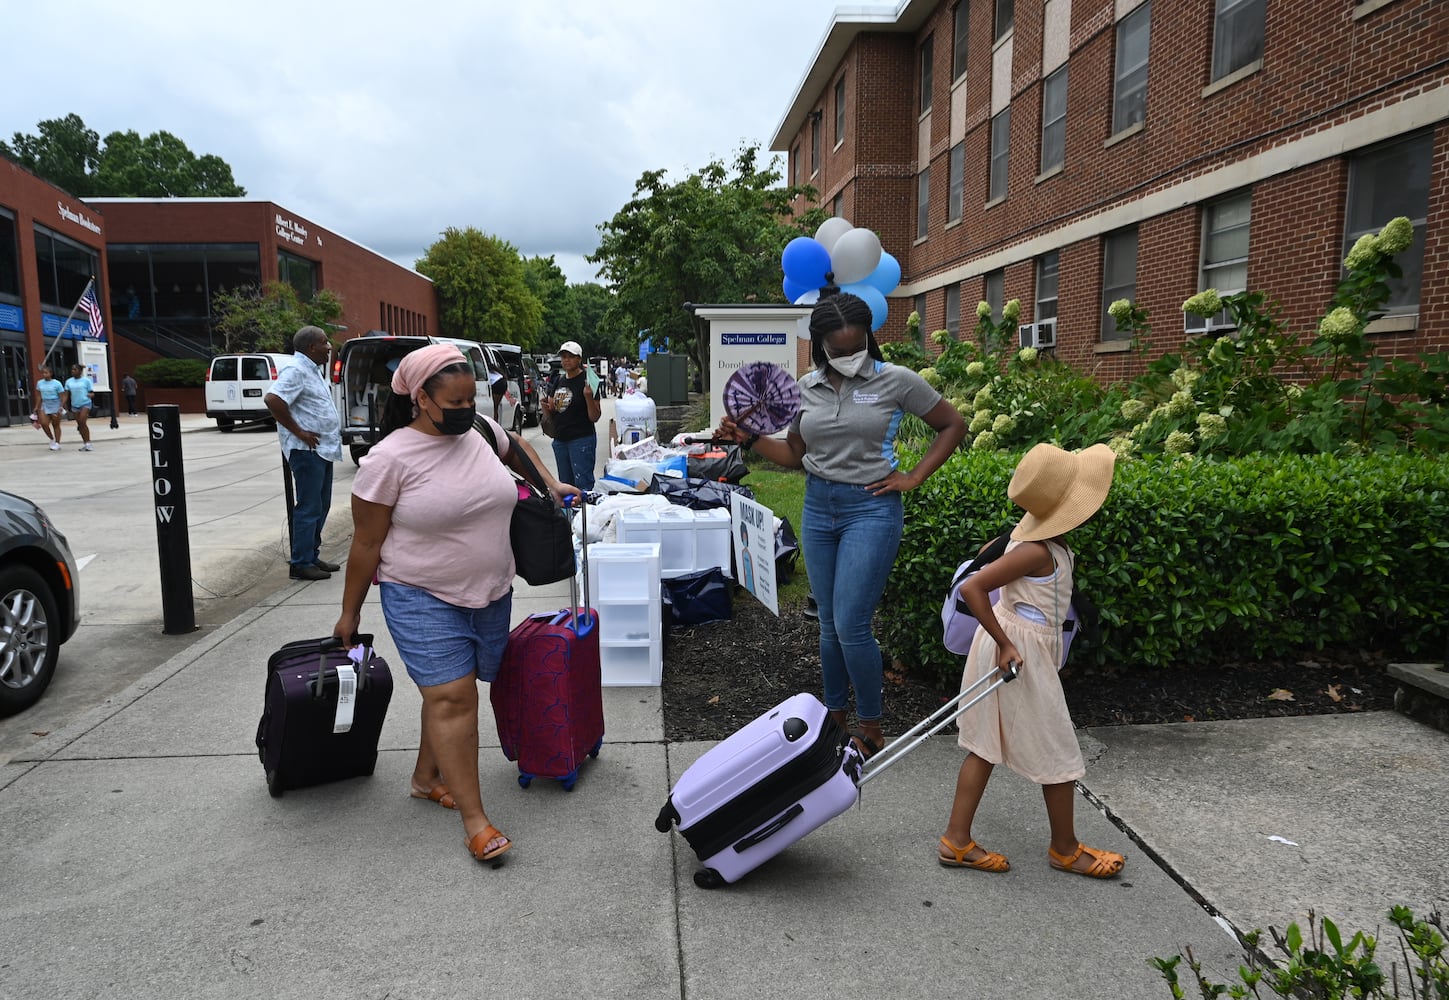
(173, 538)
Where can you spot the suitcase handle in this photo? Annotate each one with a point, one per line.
(318, 684)
(767, 831)
(936, 721)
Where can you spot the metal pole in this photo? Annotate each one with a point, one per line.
(61, 335)
(173, 539)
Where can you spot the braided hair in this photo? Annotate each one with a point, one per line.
(836, 313)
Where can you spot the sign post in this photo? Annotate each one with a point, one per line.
(173, 539)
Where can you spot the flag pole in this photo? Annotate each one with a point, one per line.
(64, 326)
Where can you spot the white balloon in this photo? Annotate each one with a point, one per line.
(830, 231)
(808, 298)
(856, 255)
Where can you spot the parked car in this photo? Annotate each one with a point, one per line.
(521, 372)
(39, 604)
(511, 413)
(237, 385)
(362, 382)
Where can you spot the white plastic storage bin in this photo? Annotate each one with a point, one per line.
(712, 541)
(676, 541)
(632, 664)
(623, 572)
(629, 621)
(639, 526)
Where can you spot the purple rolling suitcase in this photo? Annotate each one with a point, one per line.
(783, 775)
(302, 738)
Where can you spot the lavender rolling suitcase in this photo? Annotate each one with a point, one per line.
(301, 737)
(787, 773)
(548, 696)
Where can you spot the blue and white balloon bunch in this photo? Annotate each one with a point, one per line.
(845, 256)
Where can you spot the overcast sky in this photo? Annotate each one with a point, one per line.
(388, 122)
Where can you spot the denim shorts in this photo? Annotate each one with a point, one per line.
(441, 642)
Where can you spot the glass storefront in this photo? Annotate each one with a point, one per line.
(168, 291)
(300, 273)
(63, 269)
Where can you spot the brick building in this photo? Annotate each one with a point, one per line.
(167, 258)
(1067, 153)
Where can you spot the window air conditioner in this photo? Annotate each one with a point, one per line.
(1042, 334)
(1215, 323)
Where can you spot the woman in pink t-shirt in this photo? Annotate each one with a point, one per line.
(431, 506)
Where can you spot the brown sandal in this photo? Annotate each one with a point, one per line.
(989, 861)
(438, 793)
(1105, 864)
(478, 843)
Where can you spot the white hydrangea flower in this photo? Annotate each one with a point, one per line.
(985, 441)
(941, 337)
(1365, 248)
(1204, 303)
(1122, 447)
(1027, 355)
(1011, 312)
(1177, 443)
(1185, 378)
(1121, 310)
(1338, 325)
(976, 369)
(983, 310)
(1134, 410)
(1293, 390)
(932, 377)
(1396, 236)
(980, 421)
(1211, 425)
(1003, 425)
(1181, 403)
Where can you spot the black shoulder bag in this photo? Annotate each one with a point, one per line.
(540, 535)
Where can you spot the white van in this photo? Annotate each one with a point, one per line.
(362, 381)
(237, 386)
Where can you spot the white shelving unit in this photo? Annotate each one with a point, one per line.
(624, 589)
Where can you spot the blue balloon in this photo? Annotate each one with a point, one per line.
(793, 289)
(805, 262)
(887, 274)
(874, 298)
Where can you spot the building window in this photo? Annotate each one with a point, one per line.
(1129, 91)
(1047, 266)
(9, 260)
(815, 145)
(927, 72)
(919, 304)
(923, 202)
(953, 310)
(1054, 120)
(1225, 251)
(1119, 276)
(1005, 12)
(795, 166)
(960, 17)
(64, 269)
(1237, 35)
(840, 111)
(298, 272)
(1385, 183)
(996, 293)
(1000, 153)
(837, 205)
(958, 182)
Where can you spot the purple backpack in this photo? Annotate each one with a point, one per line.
(959, 625)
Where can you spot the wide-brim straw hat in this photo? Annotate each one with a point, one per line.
(1058, 489)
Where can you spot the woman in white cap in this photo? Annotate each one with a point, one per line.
(1025, 723)
(431, 506)
(572, 398)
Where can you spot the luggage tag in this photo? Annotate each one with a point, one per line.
(347, 690)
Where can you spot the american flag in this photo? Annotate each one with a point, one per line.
(92, 309)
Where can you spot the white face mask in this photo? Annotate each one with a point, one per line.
(852, 364)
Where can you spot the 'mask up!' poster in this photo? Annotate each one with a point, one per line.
(753, 526)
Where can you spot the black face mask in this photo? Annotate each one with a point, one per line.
(456, 421)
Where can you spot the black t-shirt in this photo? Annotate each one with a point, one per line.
(571, 409)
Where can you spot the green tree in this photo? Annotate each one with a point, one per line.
(266, 319)
(560, 314)
(70, 155)
(592, 301)
(715, 236)
(482, 291)
(62, 151)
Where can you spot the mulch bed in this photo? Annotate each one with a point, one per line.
(718, 677)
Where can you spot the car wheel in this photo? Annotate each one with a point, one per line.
(357, 451)
(225, 424)
(518, 420)
(29, 638)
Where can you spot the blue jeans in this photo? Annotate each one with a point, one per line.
(575, 460)
(441, 642)
(850, 540)
(312, 484)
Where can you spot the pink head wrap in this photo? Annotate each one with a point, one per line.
(421, 365)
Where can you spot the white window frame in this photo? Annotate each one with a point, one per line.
(1210, 268)
(1395, 158)
(1115, 243)
(1054, 121)
(1048, 270)
(1129, 79)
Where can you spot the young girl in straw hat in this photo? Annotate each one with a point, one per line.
(1025, 723)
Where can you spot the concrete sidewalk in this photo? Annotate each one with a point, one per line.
(141, 856)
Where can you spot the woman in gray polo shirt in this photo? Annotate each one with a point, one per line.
(844, 438)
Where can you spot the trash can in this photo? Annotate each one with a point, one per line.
(668, 378)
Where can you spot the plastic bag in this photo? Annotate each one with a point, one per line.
(697, 494)
(697, 598)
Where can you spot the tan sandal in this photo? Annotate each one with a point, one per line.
(989, 861)
(478, 843)
(1105, 864)
(438, 793)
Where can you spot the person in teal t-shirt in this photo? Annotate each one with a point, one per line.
(78, 390)
(47, 405)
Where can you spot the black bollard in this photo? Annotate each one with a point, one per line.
(173, 539)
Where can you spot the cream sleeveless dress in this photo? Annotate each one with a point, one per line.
(1025, 724)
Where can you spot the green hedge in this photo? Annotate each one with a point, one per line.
(173, 373)
(1195, 562)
